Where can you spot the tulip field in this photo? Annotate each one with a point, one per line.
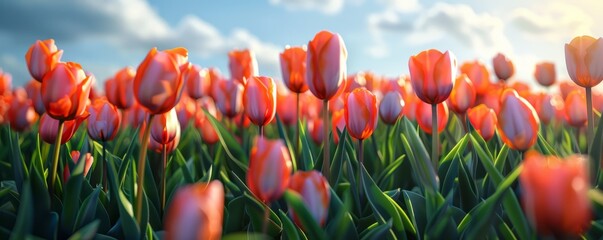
(167, 149)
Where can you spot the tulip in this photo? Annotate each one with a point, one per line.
(169, 146)
(411, 102)
(575, 109)
(484, 120)
(242, 65)
(104, 120)
(136, 115)
(338, 124)
(185, 110)
(4, 107)
(503, 67)
(283, 108)
(547, 106)
(228, 97)
(196, 212)
(326, 64)
(555, 194)
(463, 95)
(269, 169)
(478, 74)
(34, 92)
(432, 74)
(75, 157)
(293, 68)
(316, 196)
(202, 123)
(566, 87)
(158, 82)
(424, 117)
(48, 128)
(42, 57)
(214, 76)
(361, 113)
(315, 128)
(390, 108)
(65, 91)
(6, 81)
(545, 73)
(120, 88)
(21, 113)
(165, 126)
(518, 123)
(197, 81)
(259, 100)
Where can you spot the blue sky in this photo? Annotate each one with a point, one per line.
(380, 35)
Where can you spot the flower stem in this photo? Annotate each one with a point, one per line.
(104, 163)
(589, 110)
(326, 168)
(434, 136)
(266, 219)
(141, 168)
(162, 175)
(297, 141)
(360, 165)
(55, 157)
(261, 130)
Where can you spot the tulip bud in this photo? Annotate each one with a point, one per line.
(165, 127)
(361, 113)
(285, 109)
(65, 91)
(424, 120)
(463, 95)
(259, 100)
(202, 123)
(120, 88)
(21, 113)
(228, 97)
(478, 74)
(269, 169)
(197, 81)
(49, 126)
(545, 73)
(326, 64)
(484, 120)
(575, 109)
(518, 124)
(582, 58)
(242, 65)
(390, 109)
(431, 75)
(104, 120)
(314, 189)
(42, 57)
(555, 194)
(75, 157)
(547, 106)
(196, 212)
(503, 67)
(185, 110)
(34, 92)
(293, 68)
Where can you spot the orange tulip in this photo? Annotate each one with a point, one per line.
(202, 123)
(410, 108)
(390, 108)
(185, 110)
(34, 92)
(104, 120)
(75, 157)
(326, 64)
(555, 194)
(491, 98)
(423, 116)
(518, 123)
(165, 127)
(361, 113)
(6, 81)
(432, 74)
(214, 76)
(503, 67)
(228, 96)
(242, 65)
(575, 109)
(269, 169)
(478, 74)
(463, 95)
(42, 57)
(293, 68)
(545, 73)
(158, 82)
(582, 58)
(315, 129)
(484, 120)
(337, 124)
(65, 91)
(197, 81)
(259, 100)
(21, 113)
(566, 87)
(196, 212)
(120, 88)
(4, 107)
(284, 108)
(48, 128)
(315, 193)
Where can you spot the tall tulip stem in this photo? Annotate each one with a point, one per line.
(326, 168)
(464, 122)
(434, 136)
(360, 166)
(141, 167)
(162, 176)
(55, 158)
(261, 130)
(266, 219)
(297, 141)
(589, 110)
(104, 163)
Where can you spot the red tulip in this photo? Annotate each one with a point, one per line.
(503, 67)
(65, 91)
(583, 60)
(285, 108)
(120, 88)
(242, 65)
(361, 113)
(545, 73)
(555, 194)
(197, 81)
(269, 169)
(4, 107)
(228, 97)
(196, 212)
(463, 95)
(6, 81)
(424, 120)
(21, 113)
(390, 108)
(259, 100)
(410, 108)
(158, 82)
(491, 98)
(432, 74)
(202, 123)
(165, 127)
(104, 120)
(316, 131)
(326, 64)
(34, 92)
(75, 157)
(337, 124)
(42, 57)
(293, 68)
(478, 74)
(575, 109)
(48, 128)
(518, 123)
(185, 110)
(315, 193)
(484, 120)
(214, 76)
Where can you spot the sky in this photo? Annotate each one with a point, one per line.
(380, 35)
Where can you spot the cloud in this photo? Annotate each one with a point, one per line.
(325, 6)
(554, 22)
(402, 5)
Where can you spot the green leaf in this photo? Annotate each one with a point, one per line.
(231, 146)
(86, 232)
(310, 226)
(307, 160)
(23, 224)
(289, 229)
(255, 210)
(419, 159)
(377, 231)
(282, 133)
(129, 226)
(246, 236)
(87, 211)
(71, 196)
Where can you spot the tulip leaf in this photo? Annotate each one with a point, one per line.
(338, 159)
(467, 188)
(282, 132)
(545, 147)
(307, 160)
(389, 170)
(596, 153)
(23, 224)
(419, 158)
(128, 224)
(18, 165)
(87, 211)
(246, 236)
(341, 223)
(256, 210)
(230, 145)
(234, 217)
(312, 229)
(289, 229)
(86, 232)
(71, 196)
(377, 231)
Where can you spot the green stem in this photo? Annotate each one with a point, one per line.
(589, 109)
(104, 163)
(434, 136)
(360, 165)
(464, 122)
(55, 158)
(326, 168)
(388, 155)
(266, 219)
(141, 168)
(297, 141)
(162, 175)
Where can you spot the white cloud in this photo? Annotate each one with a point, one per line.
(555, 22)
(402, 5)
(325, 6)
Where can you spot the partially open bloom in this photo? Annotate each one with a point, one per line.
(65, 91)
(197, 81)
(326, 64)
(158, 83)
(547, 106)
(34, 92)
(42, 57)
(431, 74)
(269, 169)
(545, 73)
(242, 65)
(285, 107)
(228, 97)
(423, 116)
(259, 100)
(484, 120)
(361, 113)
(21, 113)
(575, 109)
(293, 68)
(165, 127)
(75, 157)
(503, 67)
(478, 74)
(583, 60)
(555, 194)
(463, 95)
(315, 193)
(518, 123)
(104, 120)
(202, 123)
(49, 128)
(120, 88)
(390, 108)
(196, 212)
